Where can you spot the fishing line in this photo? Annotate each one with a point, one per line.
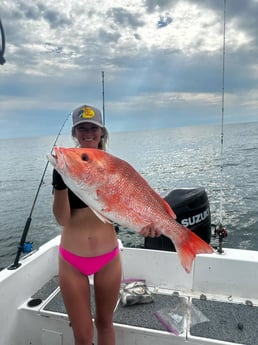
(23, 246)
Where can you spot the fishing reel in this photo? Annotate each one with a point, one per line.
(221, 233)
(24, 247)
(27, 247)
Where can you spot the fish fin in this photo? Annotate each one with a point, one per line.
(189, 247)
(169, 209)
(101, 217)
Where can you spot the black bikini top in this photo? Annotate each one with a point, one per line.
(74, 201)
(59, 184)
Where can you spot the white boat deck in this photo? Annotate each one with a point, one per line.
(222, 287)
(228, 321)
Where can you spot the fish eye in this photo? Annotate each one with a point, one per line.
(84, 157)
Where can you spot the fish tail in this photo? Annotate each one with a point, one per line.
(189, 247)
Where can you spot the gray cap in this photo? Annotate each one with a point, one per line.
(87, 114)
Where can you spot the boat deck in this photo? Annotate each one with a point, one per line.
(223, 288)
(228, 321)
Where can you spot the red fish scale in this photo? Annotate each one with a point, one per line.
(117, 191)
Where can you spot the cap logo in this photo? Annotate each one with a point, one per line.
(86, 113)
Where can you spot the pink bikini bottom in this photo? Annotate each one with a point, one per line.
(88, 265)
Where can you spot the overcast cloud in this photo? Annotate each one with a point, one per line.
(162, 62)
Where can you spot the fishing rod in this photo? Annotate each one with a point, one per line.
(2, 59)
(221, 230)
(222, 111)
(26, 247)
(103, 96)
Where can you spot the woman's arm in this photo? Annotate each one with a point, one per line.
(61, 206)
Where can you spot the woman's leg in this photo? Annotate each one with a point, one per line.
(107, 285)
(76, 295)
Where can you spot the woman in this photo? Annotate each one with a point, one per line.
(88, 246)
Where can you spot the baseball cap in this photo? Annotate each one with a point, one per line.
(87, 114)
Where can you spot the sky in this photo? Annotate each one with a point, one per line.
(162, 62)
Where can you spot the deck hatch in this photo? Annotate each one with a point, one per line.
(236, 323)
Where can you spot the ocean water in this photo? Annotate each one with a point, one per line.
(168, 159)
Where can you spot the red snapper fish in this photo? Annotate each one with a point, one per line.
(116, 192)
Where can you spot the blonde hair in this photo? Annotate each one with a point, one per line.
(103, 140)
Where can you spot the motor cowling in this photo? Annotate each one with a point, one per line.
(191, 206)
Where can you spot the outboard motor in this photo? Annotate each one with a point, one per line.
(192, 209)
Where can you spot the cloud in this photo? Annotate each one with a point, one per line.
(165, 54)
(124, 18)
(164, 20)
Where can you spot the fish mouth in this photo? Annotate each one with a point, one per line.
(56, 158)
(52, 159)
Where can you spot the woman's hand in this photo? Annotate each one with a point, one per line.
(150, 231)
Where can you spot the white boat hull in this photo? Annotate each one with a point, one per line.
(230, 278)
